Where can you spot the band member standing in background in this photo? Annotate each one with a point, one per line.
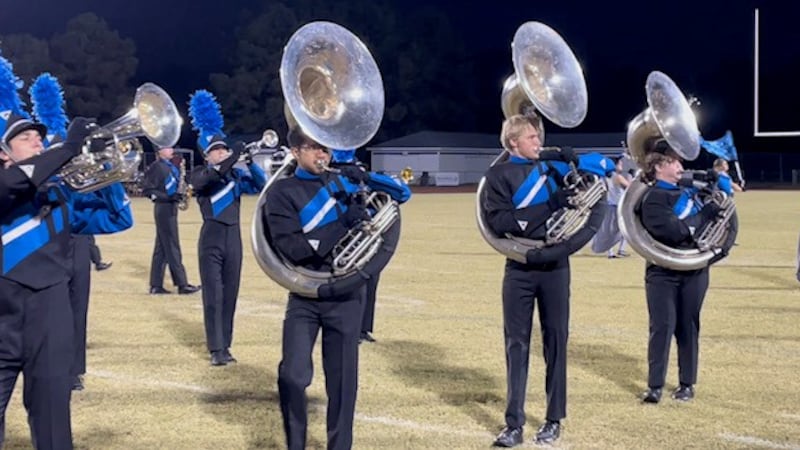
(95, 257)
(609, 235)
(38, 217)
(725, 182)
(308, 214)
(520, 196)
(160, 184)
(218, 187)
(674, 297)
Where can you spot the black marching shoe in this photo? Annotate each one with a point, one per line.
(218, 358)
(683, 393)
(548, 432)
(77, 383)
(509, 437)
(188, 289)
(102, 265)
(366, 336)
(157, 290)
(226, 355)
(651, 395)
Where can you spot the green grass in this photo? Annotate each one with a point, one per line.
(436, 376)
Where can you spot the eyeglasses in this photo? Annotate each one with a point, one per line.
(310, 147)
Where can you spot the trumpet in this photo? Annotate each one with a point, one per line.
(264, 146)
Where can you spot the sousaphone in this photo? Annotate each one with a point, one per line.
(333, 91)
(670, 117)
(547, 79)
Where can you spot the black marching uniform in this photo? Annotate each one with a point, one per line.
(674, 297)
(218, 191)
(520, 196)
(37, 219)
(160, 184)
(306, 215)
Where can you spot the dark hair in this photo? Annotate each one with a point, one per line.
(296, 138)
(655, 159)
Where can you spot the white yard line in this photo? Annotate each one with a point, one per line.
(756, 442)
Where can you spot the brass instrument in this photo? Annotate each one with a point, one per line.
(407, 175)
(153, 115)
(334, 92)
(266, 145)
(669, 116)
(547, 78)
(184, 189)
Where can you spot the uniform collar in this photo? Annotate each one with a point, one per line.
(665, 185)
(304, 174)
(520, 160)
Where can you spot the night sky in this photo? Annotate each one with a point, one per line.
(705, 46)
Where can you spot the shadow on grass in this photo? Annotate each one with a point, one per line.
(603, 360)
(243, 395)
(470, 390)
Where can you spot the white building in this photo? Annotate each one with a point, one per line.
(451, 159)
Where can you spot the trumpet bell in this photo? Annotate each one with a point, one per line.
(550, 74)
(332, 86)
(153, 116)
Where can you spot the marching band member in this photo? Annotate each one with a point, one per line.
(37, 219)
(160, 184)
(521, 195)
(218, 187)
(609, 235)
(308, 214)
(674, 297)
(725, 182)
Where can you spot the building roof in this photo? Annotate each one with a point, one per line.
(445, 140)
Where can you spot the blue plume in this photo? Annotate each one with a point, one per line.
(206, 113)
(48, 104)
(9, 85)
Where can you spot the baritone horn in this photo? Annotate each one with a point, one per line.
(333, 91)
(548, 79)
(669, 117)
(153, 116)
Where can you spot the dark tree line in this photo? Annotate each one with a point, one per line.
(93, 63)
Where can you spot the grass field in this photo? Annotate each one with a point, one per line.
(436, 376)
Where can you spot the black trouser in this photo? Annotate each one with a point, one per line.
(674, 300)
(371, 292)
(94, 251)
(523, 287)
(37, 340)
(79, 287)
(340, 320)
(220, 253)
(167, 249)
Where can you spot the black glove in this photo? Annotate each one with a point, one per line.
(710, 211)
(565, 154)
(79, 129)
(354, 215)
(97, 145)
(632, 172)
(237, 149)
(560, 199)
(686, 182)
(712, 176)
(354, 173)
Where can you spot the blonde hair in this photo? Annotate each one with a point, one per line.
(720, 164)
(513, 126)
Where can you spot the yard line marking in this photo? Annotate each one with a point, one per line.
(151, 382)
(750, 440)
(790, 416)
(388, 421)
